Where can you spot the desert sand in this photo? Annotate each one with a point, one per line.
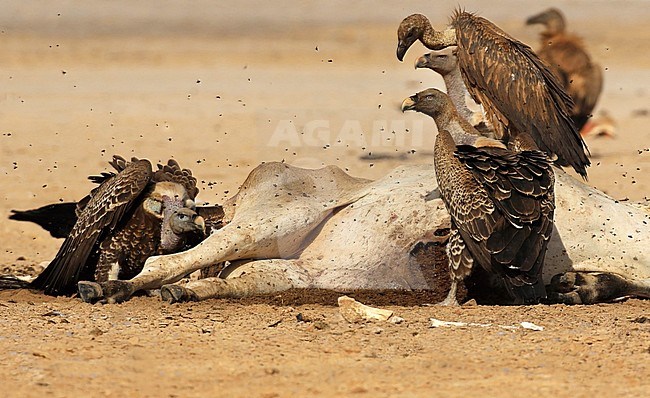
(222, 88)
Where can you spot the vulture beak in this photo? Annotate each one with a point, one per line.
(401, 50)
(421, 62)
(200, 224)
(409, 104)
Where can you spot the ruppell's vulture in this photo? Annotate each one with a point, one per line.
(132, 215)
(520, 95)
(567, 57)
(501, 202)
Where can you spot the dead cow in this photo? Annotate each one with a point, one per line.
(289, 227)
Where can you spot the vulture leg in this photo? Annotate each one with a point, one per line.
(593, 287)
(460, 264)
(248, 279)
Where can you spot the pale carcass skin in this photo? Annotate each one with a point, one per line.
(290, 227)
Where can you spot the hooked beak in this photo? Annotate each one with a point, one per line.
(421, 62)
(408, 104)
(401, 50)
(200, 224)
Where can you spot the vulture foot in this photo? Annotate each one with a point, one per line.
(177, 294)
(451, 300)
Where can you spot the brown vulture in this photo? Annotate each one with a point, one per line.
(567, 57)
(501, 202)
(132, 215)
(520, 95)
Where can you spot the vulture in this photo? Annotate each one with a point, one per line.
(132, 214)
(567, 57)
(523, 99)
(501, 202)
(445, 63)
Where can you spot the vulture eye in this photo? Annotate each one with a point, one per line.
(183, 217)
(443, 56)
(429, 98)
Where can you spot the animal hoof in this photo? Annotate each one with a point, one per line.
(589, 288)
(117, 291)
(176, 294)
(90, 292)
(563, 283)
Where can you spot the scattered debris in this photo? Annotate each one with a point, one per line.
(96, 332)
(436, 323)
(531, 326)
(274, 324)
(354, 311)
(52, 313)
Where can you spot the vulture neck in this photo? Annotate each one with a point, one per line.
(169, 241)
(553, 28)
(436, 40)
(456, 90)
(460, 130)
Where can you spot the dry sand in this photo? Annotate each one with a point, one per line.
(223, 88)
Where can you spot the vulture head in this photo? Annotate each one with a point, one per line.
(417, 27)
(442, 62)
(552, 19)
(186, 221)
(410, 30)
(170, 203)
(432, 102)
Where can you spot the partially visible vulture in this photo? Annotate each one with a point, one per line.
(445, 63)
(567, 57)
(520, 95)
(501, 202)
(132, 215)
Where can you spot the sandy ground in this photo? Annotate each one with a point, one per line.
(223, 88)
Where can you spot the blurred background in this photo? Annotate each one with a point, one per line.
(224, 86)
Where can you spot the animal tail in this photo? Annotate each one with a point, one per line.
(525, 293)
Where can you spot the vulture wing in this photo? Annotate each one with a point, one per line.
(57, 219)
(172, 172)
(102, 213)
(517, 90)
(521, 187)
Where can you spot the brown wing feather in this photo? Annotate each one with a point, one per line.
(517, 90)
(103, 212)
(172, 172)
(460, 258)
(130, 246)
(521, 185)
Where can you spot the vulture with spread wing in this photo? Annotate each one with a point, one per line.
(520, 95)
(132, 215)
